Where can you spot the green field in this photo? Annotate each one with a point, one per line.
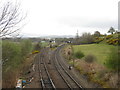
(44, 44)
(100, 51)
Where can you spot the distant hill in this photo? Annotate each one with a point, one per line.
(46, 36)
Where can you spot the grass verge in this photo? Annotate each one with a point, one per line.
(96, 71)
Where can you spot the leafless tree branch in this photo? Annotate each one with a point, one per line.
(10, 19)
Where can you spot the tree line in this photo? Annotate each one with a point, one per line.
(97, 37)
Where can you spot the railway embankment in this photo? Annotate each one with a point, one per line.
(93, 64)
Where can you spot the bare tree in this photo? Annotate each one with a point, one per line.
(86, 38)
(10, 18)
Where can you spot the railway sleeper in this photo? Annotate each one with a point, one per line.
(47, 81)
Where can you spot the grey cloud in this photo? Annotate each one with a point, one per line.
(86, 22)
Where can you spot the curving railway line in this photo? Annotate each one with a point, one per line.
(54, 75)
(66, 76)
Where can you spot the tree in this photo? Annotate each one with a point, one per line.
(97, 33)
(10, 17)
(86, 38)
(111, 30)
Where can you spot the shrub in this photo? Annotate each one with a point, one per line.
(90, 58)
(79, 54)
(113, 41)
(112, 61)
(109, 36)
(99, 39)
(34, 52)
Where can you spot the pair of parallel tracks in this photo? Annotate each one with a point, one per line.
(66, 76)
(46, 80)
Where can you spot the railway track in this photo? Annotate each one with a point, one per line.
(45, 79)
(68, 79)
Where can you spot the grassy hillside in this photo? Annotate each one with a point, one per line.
(100, 51)
(99, 61)
(100, 71)
(112, 39)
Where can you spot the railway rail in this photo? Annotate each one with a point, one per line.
(45, 79)
(68, 79)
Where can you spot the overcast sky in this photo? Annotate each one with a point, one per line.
(65, 17)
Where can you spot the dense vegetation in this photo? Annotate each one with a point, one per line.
(97, 57)
(13, 57)
(15, 53)
(112, 60)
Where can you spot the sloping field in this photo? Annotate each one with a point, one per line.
(100, 51)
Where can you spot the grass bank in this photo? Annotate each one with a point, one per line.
(96, 71)
(100, 51)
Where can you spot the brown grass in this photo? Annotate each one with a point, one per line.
(67, 52)
(10, 78)
(98, 74)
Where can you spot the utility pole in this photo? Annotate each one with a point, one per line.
(49, 53)
(73, 59)
(77, 37)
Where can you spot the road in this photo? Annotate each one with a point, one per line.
(51, 71)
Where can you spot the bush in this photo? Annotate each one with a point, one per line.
(98, 40)
(79, 54)
(113, 41)
(109, 36)
(90, 58)
(112, 61)
(34, 52)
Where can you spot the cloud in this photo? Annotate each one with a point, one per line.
(87, 22)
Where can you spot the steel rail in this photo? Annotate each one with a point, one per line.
(79, 86)
(62, 75)
(48, 75)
